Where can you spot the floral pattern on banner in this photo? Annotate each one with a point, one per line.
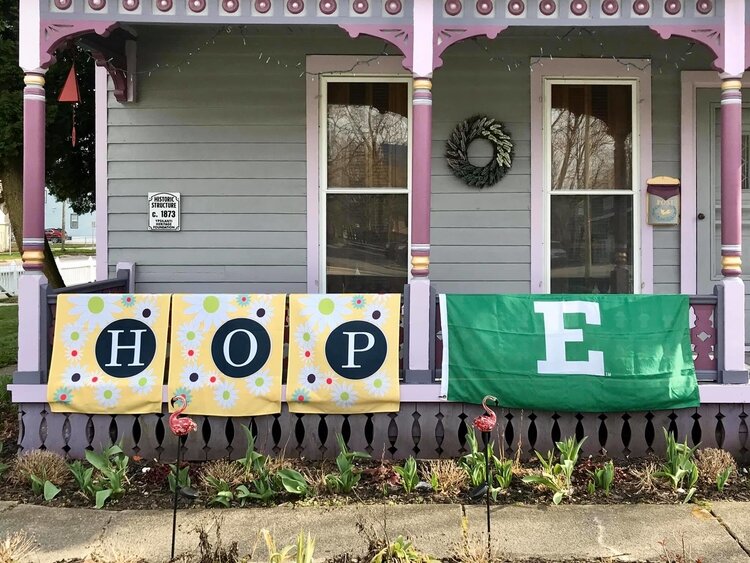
(109, 353)
(343, 353)
(226, 353)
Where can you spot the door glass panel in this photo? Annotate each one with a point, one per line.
(367, 243)
(591, 244)
(368, 134)
(591, 134)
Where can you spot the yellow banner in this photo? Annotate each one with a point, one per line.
(226, 353)
(343, 353)
(108, 354)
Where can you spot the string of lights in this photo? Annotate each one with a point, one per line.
(508, 62)
(261, 55)
(511, 63)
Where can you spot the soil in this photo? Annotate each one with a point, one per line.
(148, 487)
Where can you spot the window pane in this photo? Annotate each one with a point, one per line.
(591, 134)
(368, 134)
(367, 248)
(591, 248)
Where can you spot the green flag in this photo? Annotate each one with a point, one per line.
(583, 353)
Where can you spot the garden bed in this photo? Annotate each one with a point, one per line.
(355, 478)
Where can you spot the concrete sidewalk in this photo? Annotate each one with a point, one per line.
(719, 533)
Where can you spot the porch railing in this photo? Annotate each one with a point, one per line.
(119, 284)
(423, 427)
(704, 336)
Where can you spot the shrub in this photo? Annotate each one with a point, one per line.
(715, 466)
(229, 472)
(44, 465)
(219, 477)
(446, 477)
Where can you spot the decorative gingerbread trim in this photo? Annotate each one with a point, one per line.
(710, 36)
(56, 33)
(398, 36)
(445, 36)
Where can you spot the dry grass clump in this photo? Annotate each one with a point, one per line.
(473, 547)
(646, 477)
(46, 466)
(316, 480)
(224, 470)
(451, 478)
(16, 548)
(713, 461)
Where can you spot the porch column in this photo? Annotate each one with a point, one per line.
(732, 357)
(33, 171)
(31, 356)
(419, 288)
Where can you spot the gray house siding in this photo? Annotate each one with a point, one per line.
(482, 245)
(228, 133)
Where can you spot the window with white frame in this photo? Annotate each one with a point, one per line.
(73, 221)
(590, 182)
(365, 179)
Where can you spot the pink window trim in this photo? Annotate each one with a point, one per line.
(587, 69)
(333, 65)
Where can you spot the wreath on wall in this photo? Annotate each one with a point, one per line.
(457, 151)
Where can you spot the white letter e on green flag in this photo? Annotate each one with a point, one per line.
(556, 336)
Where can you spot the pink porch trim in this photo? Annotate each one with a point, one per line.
(709, 394)
(328, 64)
(102, 240)
(586, 69)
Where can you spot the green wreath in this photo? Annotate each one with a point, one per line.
(457, 156)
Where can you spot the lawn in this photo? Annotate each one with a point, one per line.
(8, 335)
(70, 250)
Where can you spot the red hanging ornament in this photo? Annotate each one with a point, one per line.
(71, 94)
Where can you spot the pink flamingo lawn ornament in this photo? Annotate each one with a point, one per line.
(180, 426)
(486, 423)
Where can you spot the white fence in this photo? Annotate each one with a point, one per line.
(72, 270)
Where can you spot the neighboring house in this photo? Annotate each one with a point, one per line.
(80, 228)
(307, 141)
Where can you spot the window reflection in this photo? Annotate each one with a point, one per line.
(367, 247)
(591, 135)
(591, 248)
(367, 135)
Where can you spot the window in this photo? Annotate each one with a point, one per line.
(364, 182)
(589, 186)
(73, 221)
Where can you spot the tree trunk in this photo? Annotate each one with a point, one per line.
(11, 178)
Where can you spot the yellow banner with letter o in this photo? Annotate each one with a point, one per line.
(226, 353)
(109, 353)
(343, 353)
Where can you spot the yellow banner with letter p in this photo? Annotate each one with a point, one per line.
(343, 353)
(226, 353)
(109, 353)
